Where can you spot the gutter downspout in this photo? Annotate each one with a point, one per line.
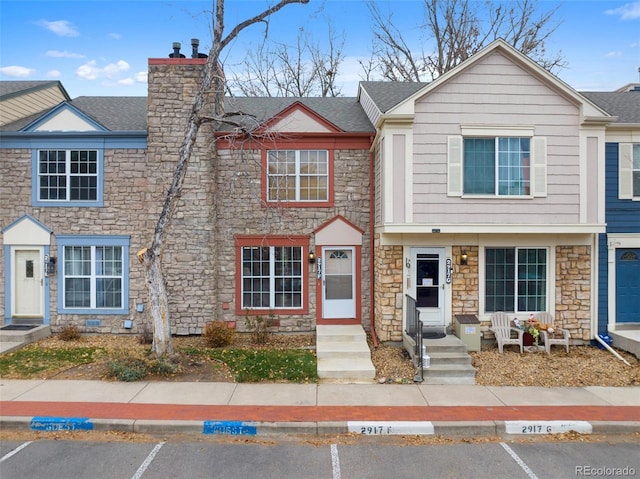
(610, 349)
(372, 205)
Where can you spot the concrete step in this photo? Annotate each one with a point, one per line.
(340, 333)
(343, 354)
(352, 370)
(343, 349)
(449, 358)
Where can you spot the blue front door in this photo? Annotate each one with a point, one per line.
(627, 285)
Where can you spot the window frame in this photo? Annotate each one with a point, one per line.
(515, 280)
(68, 149)
(297, 203)
(499, 164)
(93, 242)
(272, 242)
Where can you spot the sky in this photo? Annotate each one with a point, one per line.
(101, 47)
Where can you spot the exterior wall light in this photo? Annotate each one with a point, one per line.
(312, 257)
(464, 258)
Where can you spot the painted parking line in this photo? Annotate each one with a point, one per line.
(49, 423)
(15, 451)
(335, 462)
(519, 461)
(388, 428)
(147, 462)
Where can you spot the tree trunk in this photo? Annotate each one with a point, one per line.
(159, 305)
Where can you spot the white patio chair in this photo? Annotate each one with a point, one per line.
(503, 331)
(560, 337)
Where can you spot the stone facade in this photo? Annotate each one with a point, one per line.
(573, 290)
(465, 282)
(388, 291)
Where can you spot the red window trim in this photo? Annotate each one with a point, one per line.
(298, 204)
(272, 240)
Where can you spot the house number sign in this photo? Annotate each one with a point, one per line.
(448, 273)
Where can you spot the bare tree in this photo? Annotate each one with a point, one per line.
(303, 69)
(458, 29)
(211, 90)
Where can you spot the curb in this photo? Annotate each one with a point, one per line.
(368, 428)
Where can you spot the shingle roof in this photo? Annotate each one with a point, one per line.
(625, 105)
(10, 88)
(344, 112)
(387, 94)
(116, 113)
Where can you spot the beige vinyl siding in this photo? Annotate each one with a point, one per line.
(496, 93)
(379, 154)
(22, 106)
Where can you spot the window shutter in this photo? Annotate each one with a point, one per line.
(625, 172)
(454, 165)
(539, 166)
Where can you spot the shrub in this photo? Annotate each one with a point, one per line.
(218, 334)
(69, 333)
(258, 327)
(127, 368)
(163, 366)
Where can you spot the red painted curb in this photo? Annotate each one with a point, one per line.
(317, 413)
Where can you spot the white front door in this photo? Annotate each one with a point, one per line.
(427, 284)
(338, 282)
(28, 285)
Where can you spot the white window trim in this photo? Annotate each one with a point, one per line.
(272, 280)
(625, 172)
(297, 175)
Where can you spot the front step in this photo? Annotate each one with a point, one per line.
(449, 362)
(343, 354)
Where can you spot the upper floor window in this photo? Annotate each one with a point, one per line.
(515, 279)
(94, 274)
(497, 166)
(298, 176)
(68, 177)
(490, 162)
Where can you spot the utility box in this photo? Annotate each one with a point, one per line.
(468, 330)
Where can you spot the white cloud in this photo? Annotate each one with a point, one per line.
(115, 36)
(628, 11)
(54, 74)
(613, 54)
(126, 82)
(17, 72)
(65, 54)
(112, 71)
(141, 77)
(62, 28)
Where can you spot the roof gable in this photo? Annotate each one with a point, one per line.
(297, 118)
(64, 117)
(590, 111)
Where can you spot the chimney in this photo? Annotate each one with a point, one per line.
(176, 51)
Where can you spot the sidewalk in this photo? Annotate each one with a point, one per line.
(231, 408)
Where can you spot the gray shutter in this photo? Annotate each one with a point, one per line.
(539, 166)
(454, 166)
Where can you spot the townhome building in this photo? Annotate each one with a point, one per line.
(481, 191)
(619, 248)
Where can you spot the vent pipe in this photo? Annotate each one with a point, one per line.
(176, 51)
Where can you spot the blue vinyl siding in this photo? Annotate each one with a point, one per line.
(621, 216)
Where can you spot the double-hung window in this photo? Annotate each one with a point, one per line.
(497, 166)
(68, 177)
(298, 176)
(516, 279)
(497, 162)
(271, 273)
(94, 274)
(636, 170)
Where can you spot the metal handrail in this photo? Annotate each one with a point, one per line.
(414, 329)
